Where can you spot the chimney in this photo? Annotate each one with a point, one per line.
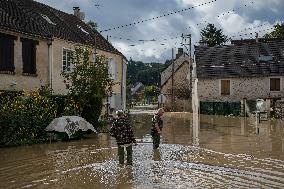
(180, 52)
(76, 11)
(256, 37)
(78, 14)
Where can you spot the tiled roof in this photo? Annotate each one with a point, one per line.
(167, 73)
(242, 60)
(31, 17)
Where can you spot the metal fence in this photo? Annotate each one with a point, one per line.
(220, 108)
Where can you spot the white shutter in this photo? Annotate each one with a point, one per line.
(110, 68)
(115, 70)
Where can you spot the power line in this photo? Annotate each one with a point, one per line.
(247, 34)
(222, 14)
(155, 39)
(157, 17)
(234, 10)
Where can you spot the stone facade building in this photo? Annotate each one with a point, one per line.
(247, 70)
(36, 45)
(181, 87)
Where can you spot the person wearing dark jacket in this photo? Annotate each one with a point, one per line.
(157, 126)
(122, 131)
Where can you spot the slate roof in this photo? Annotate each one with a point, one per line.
(241, 60)
(31, 17)
(167, 73)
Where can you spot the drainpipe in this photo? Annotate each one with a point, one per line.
(50, 63)
(121, 85)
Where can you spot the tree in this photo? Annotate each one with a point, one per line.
(93, 25)
(212, 36)
(151, 91)
(277, 33)
(89, 83)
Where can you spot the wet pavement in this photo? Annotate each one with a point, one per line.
(214, 152)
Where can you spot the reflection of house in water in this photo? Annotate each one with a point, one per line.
(247, 69)
(181, 86)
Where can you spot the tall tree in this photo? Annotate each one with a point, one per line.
(211, 36)
(89, 83)
(277, 33)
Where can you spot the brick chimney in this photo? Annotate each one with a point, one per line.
(78, 13)
(256, 37)
(180, 52)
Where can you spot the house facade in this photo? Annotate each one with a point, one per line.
(180, 86)
(36, 45)
(232, 73)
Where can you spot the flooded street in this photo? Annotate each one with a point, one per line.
(215, 152)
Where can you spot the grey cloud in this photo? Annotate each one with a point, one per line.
(113, 13)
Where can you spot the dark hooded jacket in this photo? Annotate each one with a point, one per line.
(122, 131)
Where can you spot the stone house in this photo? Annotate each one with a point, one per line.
(37, 41)
(244, 70)
(181, 87)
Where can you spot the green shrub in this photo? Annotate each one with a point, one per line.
(23, 118)
(92, 110)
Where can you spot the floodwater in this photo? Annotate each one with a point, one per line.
(214, 152)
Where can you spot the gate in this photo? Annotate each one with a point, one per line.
(220, 108)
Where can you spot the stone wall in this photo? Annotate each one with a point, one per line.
(181, 89)
(250, 88)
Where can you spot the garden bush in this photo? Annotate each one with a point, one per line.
(24, 117)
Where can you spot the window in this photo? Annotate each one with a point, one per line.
(67, 60)
(265, 58)
(225, 87)
(274, 84)
(29, 56)
(7, 53)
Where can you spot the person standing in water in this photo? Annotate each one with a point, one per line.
(122, 131)
(157, 126)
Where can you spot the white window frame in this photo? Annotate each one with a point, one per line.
(280, 88)
(71, 66)
(220, 87)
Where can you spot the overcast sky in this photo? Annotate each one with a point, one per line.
(249, 16)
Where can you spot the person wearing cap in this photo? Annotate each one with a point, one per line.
(157, 126)
(122, 131)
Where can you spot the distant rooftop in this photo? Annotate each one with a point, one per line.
(244, 58)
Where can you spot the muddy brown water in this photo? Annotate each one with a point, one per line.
(219, 152)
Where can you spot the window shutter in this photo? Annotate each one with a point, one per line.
(26, 54)
(7, 54)
(29, 56)
(225, 87)
(275, 84)
(114, 69)
(110, 68)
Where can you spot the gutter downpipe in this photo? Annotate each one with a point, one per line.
(50, 63)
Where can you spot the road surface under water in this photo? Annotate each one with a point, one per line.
(214, 152)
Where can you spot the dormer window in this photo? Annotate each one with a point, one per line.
(83, 30)
(47, 19)
(265, 58)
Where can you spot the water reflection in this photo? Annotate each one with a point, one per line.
(196, 152)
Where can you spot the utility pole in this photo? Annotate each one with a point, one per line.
(173, 70)
(186, 41)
